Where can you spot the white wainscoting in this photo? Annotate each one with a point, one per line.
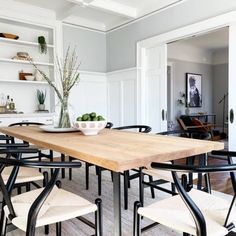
(122, 97)
(90, 94)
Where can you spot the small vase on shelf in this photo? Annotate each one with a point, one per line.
(187, 111)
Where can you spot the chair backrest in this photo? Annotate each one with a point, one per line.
(181, 133)
(140, 128)
(194, 210)
(25, 124)
(109, 125)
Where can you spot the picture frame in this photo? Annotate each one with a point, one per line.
(193, 90)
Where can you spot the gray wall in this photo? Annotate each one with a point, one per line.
(91, 47)
(220, 87)
(121, 43)
(180, 68)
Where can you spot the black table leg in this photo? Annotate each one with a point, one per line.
(117, 204)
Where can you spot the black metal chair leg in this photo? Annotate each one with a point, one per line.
(70, 169)
(111, 176)
(63, 169)
(98, 218)
(141, 187)
(58, 229)
(3, 224)
(126, 190)
(128, 179)
(208, 183)
(151, 188)
(99, 173)
(40, 159)
(46, 229)
(27, 187)
(18, 190)
(173, 189)
(51, 159)
(136, 224)
(87, 175)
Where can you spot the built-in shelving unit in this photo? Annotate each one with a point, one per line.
(24, 92)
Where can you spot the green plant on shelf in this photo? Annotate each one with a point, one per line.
(41, 95)
(42, 44)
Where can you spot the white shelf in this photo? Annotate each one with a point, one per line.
(21, 42)
(24, 82)
(25, 62)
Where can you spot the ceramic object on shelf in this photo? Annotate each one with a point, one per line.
(38, 76)
(41, 107)
(29, 77)
(90, 127)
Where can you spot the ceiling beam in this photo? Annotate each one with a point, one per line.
(109, 7)
(67, 11)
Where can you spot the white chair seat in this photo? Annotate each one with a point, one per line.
(61, 205)
(24, 175)
(173, 213)
(165, 175)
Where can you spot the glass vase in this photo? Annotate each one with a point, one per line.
(64, 114)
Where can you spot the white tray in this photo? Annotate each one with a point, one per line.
(52, 129)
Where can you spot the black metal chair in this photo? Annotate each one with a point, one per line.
(43, 206)
(158, 177)
(193, 212)
(40, 154)
(41, 151)
(25, 176)
(127, 176)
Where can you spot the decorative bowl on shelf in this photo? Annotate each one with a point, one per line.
(9, 36)
(90, 127)
(30, 77)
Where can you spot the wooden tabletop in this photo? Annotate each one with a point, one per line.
(115, 150)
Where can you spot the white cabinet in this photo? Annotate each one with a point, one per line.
(6, 120)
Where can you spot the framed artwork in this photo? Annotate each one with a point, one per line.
(193, 90)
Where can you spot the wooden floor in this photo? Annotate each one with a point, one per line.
(219, 181)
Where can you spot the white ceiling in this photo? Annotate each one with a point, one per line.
(101, 14)
(214, 40)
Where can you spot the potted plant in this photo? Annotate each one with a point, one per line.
(183, 101)
(41, 95)
(42, 44)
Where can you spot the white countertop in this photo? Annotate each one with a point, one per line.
(19, 115)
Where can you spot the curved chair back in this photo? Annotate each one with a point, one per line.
(109, 125)
(25, 124)
(194, 210)
(141, 128)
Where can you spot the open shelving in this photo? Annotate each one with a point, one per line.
(22, 42)
(25, 62)
(24, 91)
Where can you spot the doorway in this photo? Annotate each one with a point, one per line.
(204, 57)
(225, 20)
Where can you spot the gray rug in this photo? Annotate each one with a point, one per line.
(77, 228)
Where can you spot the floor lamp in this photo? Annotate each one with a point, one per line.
(223, 134)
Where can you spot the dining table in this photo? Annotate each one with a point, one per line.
(116, 151)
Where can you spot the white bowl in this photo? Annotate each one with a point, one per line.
(29, 77)
(90, 127)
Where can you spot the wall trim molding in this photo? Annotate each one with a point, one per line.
(121, 70)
